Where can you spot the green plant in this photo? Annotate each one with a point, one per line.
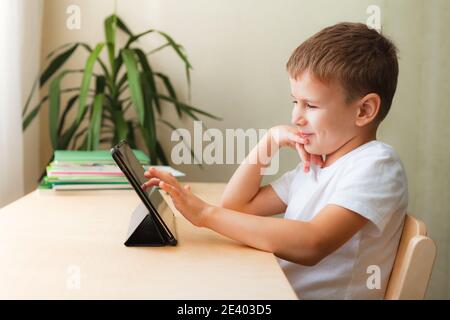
(104, 106)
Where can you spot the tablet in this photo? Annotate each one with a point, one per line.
(154, 202)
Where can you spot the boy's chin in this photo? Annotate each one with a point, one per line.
(312, 150)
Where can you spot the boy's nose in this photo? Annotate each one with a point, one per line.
(299, 121)
(298, 118)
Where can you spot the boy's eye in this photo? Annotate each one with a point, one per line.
(306, 105)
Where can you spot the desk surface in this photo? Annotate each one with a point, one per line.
(69, 245)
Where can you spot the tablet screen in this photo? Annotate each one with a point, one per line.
(133, 165)
(152, 194)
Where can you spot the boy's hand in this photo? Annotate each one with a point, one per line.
(191, 207)
(285, 135)
(307, 158)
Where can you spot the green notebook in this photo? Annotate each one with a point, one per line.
(96, 156)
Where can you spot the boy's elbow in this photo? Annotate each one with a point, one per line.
(225, 203)
(311, 259)
(313, 252)
(314, 259)
(229, 204)
(317, 252)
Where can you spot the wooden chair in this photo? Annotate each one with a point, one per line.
(413, 263)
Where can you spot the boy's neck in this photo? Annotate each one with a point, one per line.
(350, 145)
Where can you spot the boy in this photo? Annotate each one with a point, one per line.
(344, 208)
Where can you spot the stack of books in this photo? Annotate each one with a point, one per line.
(87, 170)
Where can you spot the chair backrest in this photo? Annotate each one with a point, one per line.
(413, 263)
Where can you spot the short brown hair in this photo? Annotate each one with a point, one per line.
(361, 59)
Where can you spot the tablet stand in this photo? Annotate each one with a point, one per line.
(143, 231)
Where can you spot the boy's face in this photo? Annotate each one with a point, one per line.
(320, 109)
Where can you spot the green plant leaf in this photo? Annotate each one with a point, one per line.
(63, 46)
(148, 130)
(180, 52)
(106, 109)
(96, 116)
(87, 80)
(157, 49)
(53, 66)
(121, 126)
(100, 84)
(170, 90)
(95, 124)
(83, 145)
(189, 109)
(110, 35)
(161, 155)
(176, 47)
(131, 136)
(102, 64)
(122, 81)
(122, 26)
(31, 115)
(147, 72)
(26, 122)
(54, 106)
(64, 140)
(134, 83)
(170, 42)
(56, 63)
(69, 105)
(117, 65)
(134, 38)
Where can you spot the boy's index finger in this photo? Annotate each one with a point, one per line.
(164, 176)
(150, 183)
(296, 138)
(306, 158)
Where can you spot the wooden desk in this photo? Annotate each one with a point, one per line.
(69, 245)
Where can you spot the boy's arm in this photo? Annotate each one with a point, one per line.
(243, 192)
(265, 203)
(302, 242)
(305, 243)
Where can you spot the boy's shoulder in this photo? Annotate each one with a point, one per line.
(374, 149)
(378, 157)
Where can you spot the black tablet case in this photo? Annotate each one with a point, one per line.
(143, 230)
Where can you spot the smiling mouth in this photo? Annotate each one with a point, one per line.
(306, 135)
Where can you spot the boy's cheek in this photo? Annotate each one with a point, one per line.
(313, 147)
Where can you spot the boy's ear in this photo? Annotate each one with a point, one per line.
(368, 108)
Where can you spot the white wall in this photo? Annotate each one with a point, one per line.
(30, 63)
(20, 26)
(239, 50)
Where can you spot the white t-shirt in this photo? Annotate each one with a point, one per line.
(369, 180)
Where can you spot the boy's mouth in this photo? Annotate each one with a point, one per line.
(305, 134)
